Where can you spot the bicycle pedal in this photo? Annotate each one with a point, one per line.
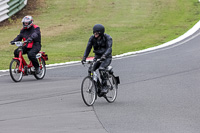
(25, 74)
(100, 94)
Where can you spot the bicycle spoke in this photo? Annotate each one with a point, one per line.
(15, 74)
(42, 69)
(112, 92)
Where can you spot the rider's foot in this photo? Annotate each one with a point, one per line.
(37, 70)
(104, 90)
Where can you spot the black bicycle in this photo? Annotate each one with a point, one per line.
(91, 86)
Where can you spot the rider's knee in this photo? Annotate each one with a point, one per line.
(101, 69)
(31, 56)
(16, 53)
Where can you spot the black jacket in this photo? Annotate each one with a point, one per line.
(101, 47)
(33, 32)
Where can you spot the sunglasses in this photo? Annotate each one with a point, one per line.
(96, 33)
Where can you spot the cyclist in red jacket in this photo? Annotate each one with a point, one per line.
(30, 33)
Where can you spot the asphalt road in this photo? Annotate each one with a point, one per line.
(159, 93)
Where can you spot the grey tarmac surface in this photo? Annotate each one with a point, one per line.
(51, 105)
(159, 93)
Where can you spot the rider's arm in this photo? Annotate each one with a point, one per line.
(35, 35)
(88, 48)
(108, 45)
(19, 37)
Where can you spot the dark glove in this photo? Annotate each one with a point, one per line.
(83, 60)
(95, 59)
(103, 57)
(12, 42)
(29, 40)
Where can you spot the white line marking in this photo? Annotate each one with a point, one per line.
(3, 75)
(156, 50)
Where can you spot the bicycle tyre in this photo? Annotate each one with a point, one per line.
(112, 92)
(14, 73)
(42, 71)
(88, 91)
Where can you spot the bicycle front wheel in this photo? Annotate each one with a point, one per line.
(112, 89)
(15, 74)
(88, 91)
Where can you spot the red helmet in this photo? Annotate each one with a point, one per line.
(27, 22)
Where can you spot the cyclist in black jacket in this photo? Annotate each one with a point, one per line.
(30, 33)
(102, 45)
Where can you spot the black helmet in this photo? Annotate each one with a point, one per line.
(99, 28)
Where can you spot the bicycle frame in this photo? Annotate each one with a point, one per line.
(97, 83)
(91, 86)
(19, 67)
(24, 63)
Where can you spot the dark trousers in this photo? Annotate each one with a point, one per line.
(102, 66)
(31, 52)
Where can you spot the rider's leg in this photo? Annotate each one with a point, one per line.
(16, 52)
(103, 75)
(32, 56)
(96, 66)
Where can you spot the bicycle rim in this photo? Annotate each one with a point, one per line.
(112, 92)
(88, 91)
(14, 71)
(42, 69)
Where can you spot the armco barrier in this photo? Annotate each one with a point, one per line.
(10, 7)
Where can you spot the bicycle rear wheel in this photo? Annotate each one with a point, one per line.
(42, 69)
(15, 74)
(88, 91)
(112, 89)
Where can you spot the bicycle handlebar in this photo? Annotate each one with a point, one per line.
(91, 62)
(19, 43)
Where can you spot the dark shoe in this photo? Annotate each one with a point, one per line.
(104, 91)
(37, 71)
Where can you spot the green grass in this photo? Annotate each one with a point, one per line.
(66, 25)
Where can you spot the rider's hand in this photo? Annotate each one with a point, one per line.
(29, 40)
(12, 42)
(103, 57)
(83, 60)
(95, 59)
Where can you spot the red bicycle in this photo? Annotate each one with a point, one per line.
(19, 67)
